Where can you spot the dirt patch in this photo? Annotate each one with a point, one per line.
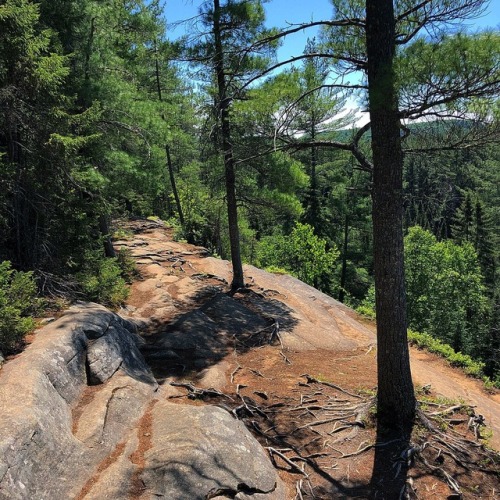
(86, 398)
(107, 462)
(320, 432)
(145, 438)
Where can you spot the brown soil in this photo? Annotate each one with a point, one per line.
(85, 399)
(144, 436)
(107, 462)
(304, 385)
(342, 457)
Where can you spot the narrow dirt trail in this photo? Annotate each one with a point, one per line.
(194, 336)
(428, 369)
(175, 272)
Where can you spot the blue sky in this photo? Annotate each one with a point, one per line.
(281, 12)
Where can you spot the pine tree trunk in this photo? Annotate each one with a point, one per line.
(344, 259)
(396, 399)
(105, 233)
(167, 148)
(230, 176)
(174, 186)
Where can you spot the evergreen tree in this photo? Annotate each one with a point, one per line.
(316, 110)
(482, 240)
(463, 227)
(32, 71)
(231, 29)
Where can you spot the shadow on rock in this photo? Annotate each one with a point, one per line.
(203, 452)
(216, 325)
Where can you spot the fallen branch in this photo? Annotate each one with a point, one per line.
(447, 411)
(340, 429)
(287, 361)
(321, 422)
(234, 372)
(359, 451)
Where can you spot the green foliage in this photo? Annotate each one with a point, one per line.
(445, 291)
(17, 303)
(101, 279)
(425, 341)
(466, 63)
(302, 253)
(127, 265)
(470, 366)
(276, 270)
(90, 97)
(367, 306)
(474, 224)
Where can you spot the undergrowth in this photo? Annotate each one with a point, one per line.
(469, 365)
(18, 302)
(102, 279)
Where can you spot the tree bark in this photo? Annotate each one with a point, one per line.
(167, 148)
(227, 148)
(396, 399)
(174, 186)
(343, 273)
(109, 250)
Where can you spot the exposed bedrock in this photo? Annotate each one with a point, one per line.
(78, 406)
(41, 455)
(202, 452)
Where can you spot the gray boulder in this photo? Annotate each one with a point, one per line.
(202, 452)
(41, 454)
(113, 350)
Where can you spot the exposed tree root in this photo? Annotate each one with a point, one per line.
(465, 453)
(293, 467)
(198, 393)
(311, 380)
(297, 435)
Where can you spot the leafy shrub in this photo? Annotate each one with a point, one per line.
(276, 270)
(367, 306)
(123, 234)
(366, 311)
(127, 265)
(302, 253)
(178, 232)
(17, 302)
(491, 385)
(101, 280)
